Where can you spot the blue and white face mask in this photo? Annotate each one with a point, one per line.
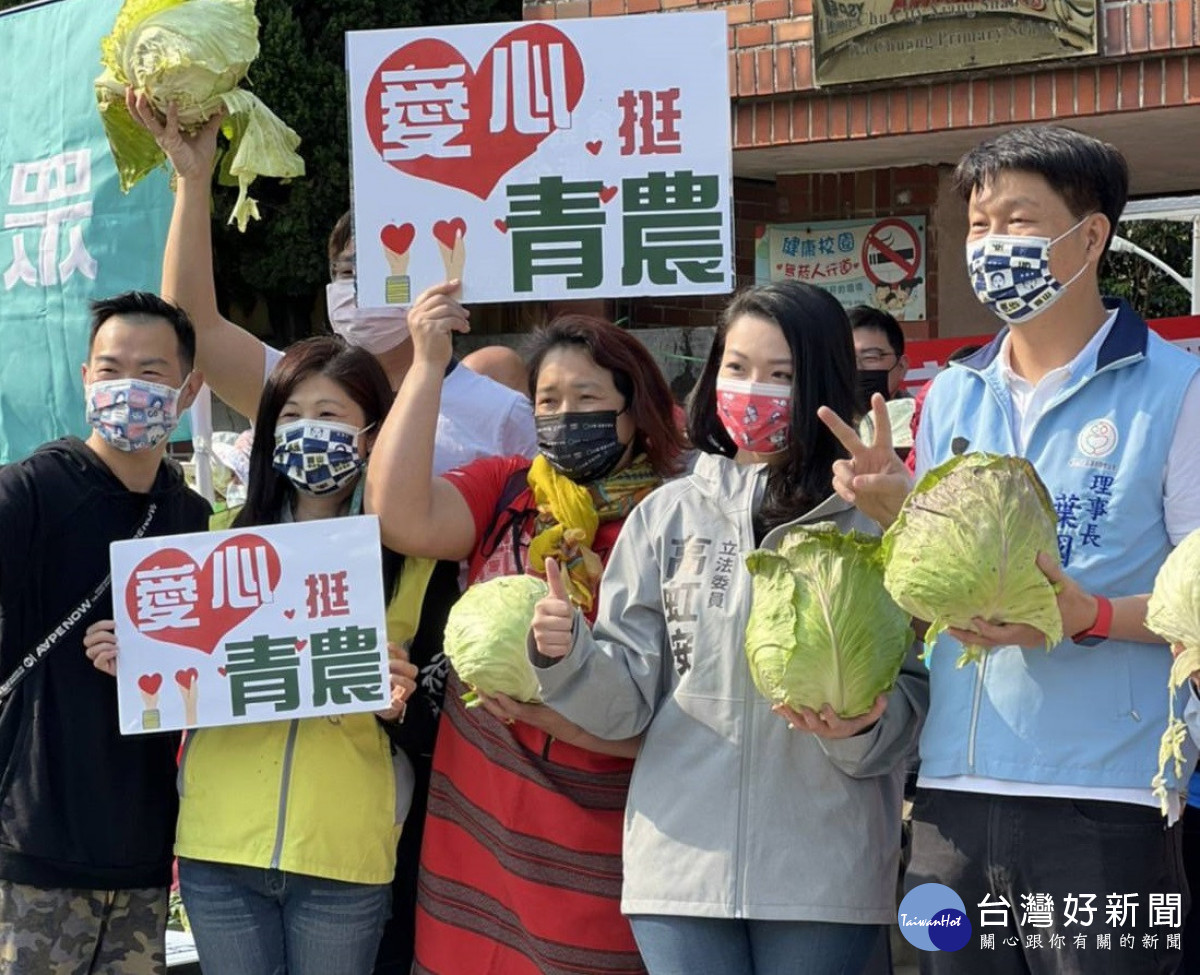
(316, 455)
(1010, 274)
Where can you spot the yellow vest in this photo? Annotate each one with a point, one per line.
(315, 796)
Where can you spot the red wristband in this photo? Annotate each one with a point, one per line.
(1098, 631)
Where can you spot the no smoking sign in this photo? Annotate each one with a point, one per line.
(891, 253)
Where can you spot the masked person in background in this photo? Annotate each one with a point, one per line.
(86, 814)
(881, 367)
(288, 829)
(477, 417)
(749, 847)
(1036, 767)
(521, 864)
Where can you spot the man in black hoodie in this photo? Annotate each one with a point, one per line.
(87, 817)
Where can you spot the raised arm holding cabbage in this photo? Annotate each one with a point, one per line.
(192, 54)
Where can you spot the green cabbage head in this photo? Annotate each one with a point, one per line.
(194, 53)
(1174, 614)
(965, 545)
(486, 632)
(823, 629)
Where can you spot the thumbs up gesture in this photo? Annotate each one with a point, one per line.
(553, 616)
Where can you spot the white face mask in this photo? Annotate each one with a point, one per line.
(377, 331)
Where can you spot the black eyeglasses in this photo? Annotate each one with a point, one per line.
(875, 358)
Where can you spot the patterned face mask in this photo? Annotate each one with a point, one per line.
(1010, 274)
(316, 455)
(757, 416)
(133, 414)
(581, 446)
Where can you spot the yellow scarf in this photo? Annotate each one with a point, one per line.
(569, 515)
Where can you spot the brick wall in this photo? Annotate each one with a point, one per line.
(1149, 58)
(909, 191)
(771, 74)
(754, 203)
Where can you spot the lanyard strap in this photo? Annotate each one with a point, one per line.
(35, 655)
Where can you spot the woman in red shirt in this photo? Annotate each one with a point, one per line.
(521, 862)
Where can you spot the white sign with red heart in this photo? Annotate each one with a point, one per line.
(254, 624)
(578, 159)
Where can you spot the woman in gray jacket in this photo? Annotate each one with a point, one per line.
(755, 842)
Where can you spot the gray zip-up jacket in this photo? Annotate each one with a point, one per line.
(730, 814)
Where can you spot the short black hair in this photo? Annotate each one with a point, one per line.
(864, 316)
(1089, 175)
(146, 304)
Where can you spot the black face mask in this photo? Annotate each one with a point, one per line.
(868, 382)
(581, 446)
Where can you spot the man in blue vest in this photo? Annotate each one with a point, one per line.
(1034, 801)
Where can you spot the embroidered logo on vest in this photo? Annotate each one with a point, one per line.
(1098, 438)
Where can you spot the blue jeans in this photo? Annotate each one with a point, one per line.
(677, 945)
(250, 921)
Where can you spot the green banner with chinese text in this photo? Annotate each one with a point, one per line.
(67, 233)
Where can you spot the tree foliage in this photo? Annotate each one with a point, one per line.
(1151, 292)
(300, 73)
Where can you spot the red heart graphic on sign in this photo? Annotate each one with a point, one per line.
(594, 147)
(398, 239)
(221, 671)
(185, 678)
(501, 225)
(607, 193)
(171, 598)
(431, 116)
(150, 683)
(289, 613)
(300, 645)
(446, 232)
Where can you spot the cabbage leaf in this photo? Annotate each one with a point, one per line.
(822, 628)
(485, 636)
(193, 53)
(965, 545)
(1174, 614)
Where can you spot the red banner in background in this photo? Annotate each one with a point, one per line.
(926, 358)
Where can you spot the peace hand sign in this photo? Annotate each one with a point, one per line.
(874, 478)
(553, 616)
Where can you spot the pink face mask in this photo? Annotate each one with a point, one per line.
(755, 415)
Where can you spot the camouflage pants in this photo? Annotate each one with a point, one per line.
(82, 932)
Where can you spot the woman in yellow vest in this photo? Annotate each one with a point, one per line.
(287, 830)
